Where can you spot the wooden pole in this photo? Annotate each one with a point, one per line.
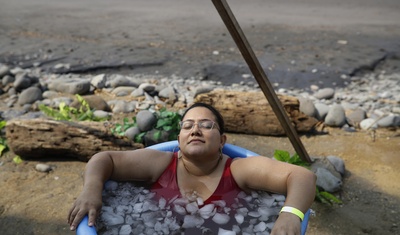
(240, 39)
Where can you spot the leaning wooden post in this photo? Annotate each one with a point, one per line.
(259, 74)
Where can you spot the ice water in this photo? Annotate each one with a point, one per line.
(130, 208)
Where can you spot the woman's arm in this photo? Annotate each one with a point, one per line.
(297, 183)
(139, 165)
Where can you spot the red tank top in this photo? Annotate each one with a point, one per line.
(167, 185)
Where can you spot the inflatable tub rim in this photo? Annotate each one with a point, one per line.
(172, 146)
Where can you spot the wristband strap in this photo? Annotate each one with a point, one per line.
(293, 211)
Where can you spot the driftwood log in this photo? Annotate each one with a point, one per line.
(250, 112)
(42, 138)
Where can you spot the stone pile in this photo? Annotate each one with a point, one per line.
(367, 102)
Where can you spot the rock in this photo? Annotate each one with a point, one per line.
(10, 114)
(101, 114)
(121, 106)
(4, 70)
(94, 101)
(71, 86)
(23, 81)
(30, 96)
(137, 92)
(55, 103)
(150, 137)
(325, 93)
(132, 132)
(356, 116)
(321, 111)
(119, 80)
(307, 107)
(368, 124)
(99, 81)
(145, 120)
(123, 90)
(327, 181)
(202, 90)
(50, 94)
(7, 79)
(12, 92)
(147, 87)
(168, 93)
(336, 116)
(338, 163)
(43, 167)
(325, 163)
(389, 121)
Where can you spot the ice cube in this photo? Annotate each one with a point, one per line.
(125, 230)
(279, 197)
(111, 219)
(179, 209)
(239, 218)
(192, 207)
(260, 227)
(207, 211)
(220, 203)
(255, 214)
(138, 207)
(192, 221)
(162, 203)
(200, 201)
(220, 218)
(222, 231)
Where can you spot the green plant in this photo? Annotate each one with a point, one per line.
(120, 129)
(166, 121)
(321, 196)
(17, 159)
(67, 113)
(3, 141)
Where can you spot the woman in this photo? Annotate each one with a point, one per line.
(198, 169)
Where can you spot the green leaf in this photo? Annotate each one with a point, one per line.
(2, 148)
(157, 135)
(139, 138)
(282, 155)
(17, 159)
(162, 123)
(330, 197)
(2, 124)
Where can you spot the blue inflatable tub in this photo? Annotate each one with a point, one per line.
(172, 146)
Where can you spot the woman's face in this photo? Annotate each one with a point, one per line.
(200, 140)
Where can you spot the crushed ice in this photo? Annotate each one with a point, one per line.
(132, 209)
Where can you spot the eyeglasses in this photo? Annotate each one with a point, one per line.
(206, 125)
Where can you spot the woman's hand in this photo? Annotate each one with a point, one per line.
(287, 224)
(88, 203)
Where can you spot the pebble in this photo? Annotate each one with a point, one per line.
(368, 124)
(30, 95)
(325, 93)
(4, 70)
(327, 181)
(307, 106)
(371, 96)
(321, 110)
(336, 116)
(145, 120)
(43, 167)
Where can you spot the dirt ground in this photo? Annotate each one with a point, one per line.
(185, 35)
(32, 202)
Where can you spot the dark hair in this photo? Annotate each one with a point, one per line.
(218, 116)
